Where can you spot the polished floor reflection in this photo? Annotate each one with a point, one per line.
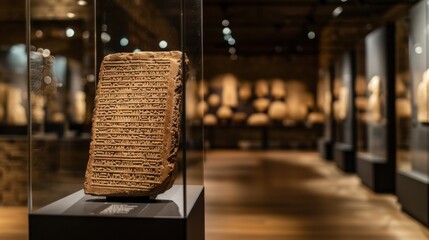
(295, 195)
(273, 195)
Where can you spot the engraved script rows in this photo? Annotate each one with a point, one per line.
(132, 105)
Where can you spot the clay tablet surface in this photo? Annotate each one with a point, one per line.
(136, 125)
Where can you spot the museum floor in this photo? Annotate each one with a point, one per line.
(274, 195)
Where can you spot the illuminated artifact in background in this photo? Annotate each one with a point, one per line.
(245, 91)
(422, 99)
(278, 89)
(341, 109)
(214, 100)
(361, 103)
(210, 120)
(403, 108)
(258, 119)
(239, 117)
(2, 101)
(327, 103)
(360, 85)
(262, 88)
(37, 112)
(229, 91)
(315, 117)
(136, 125)
(202, 108)
(261, 104)
(15, 111)
(374, 100)
(78, 111)
(224, 113)
(277, 110)
(203, 90)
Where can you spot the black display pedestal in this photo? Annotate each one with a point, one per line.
(325, 148)
(376, 173)
(345, 157)
(412, 190)
(83, 217)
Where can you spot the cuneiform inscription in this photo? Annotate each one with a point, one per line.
(129, 124)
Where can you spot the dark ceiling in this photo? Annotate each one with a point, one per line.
(282, 26)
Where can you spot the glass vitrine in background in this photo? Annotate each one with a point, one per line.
(344, 107)
(325, 144)
(413, 174)
(376, 164)
(69, 40)
(13, 104)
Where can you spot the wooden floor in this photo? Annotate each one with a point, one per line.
(295, 195)
(280, 195)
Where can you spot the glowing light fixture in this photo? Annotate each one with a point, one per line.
(232, 50)
(69, 32)
(70, 15)
(39, 33)
(105, 37)
(418, 49)
(124, 42)
(311, 35)
(82, 2)
(163, 44)
(225, 22)
(226, 30)
(231, 41)
(337, 11)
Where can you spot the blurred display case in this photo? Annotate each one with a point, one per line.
(413, 170)
(376, 164)
(326, 143)
(13, 104)
(68, 41)
(344, 112)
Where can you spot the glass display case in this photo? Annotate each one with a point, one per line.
(413, 175)
(111, 90)
(13, 93)
(376, 163)
(325, 144)
(344, 107)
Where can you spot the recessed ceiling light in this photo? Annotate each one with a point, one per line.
(82, 2)
(124, 42)
(69, 32)
(225, 23)
(311, 35)
(232, 50)
(337, 11)
(70, 15)
(163, 44)
(105, 37)
(226, 30)
(231, 41)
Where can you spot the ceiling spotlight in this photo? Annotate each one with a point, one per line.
(225, 23)
(418, 49)
(39, 33)
(234, 57)
(337, 11)
(226, 30)
(232, 50)
(105, 37)
(124, 42)
(163, 44)
(227, 37)
(69, 32)
(82, 2)
(311, 35)
(70, 15)
(231, 41)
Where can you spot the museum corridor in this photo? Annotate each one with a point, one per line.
(277, 195)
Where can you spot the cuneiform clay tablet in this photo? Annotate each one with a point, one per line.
(136, 125)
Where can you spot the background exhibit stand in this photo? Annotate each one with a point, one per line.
(345, 146)
(84, 217)
(413, 182)
(377, 165)
(325, 144)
